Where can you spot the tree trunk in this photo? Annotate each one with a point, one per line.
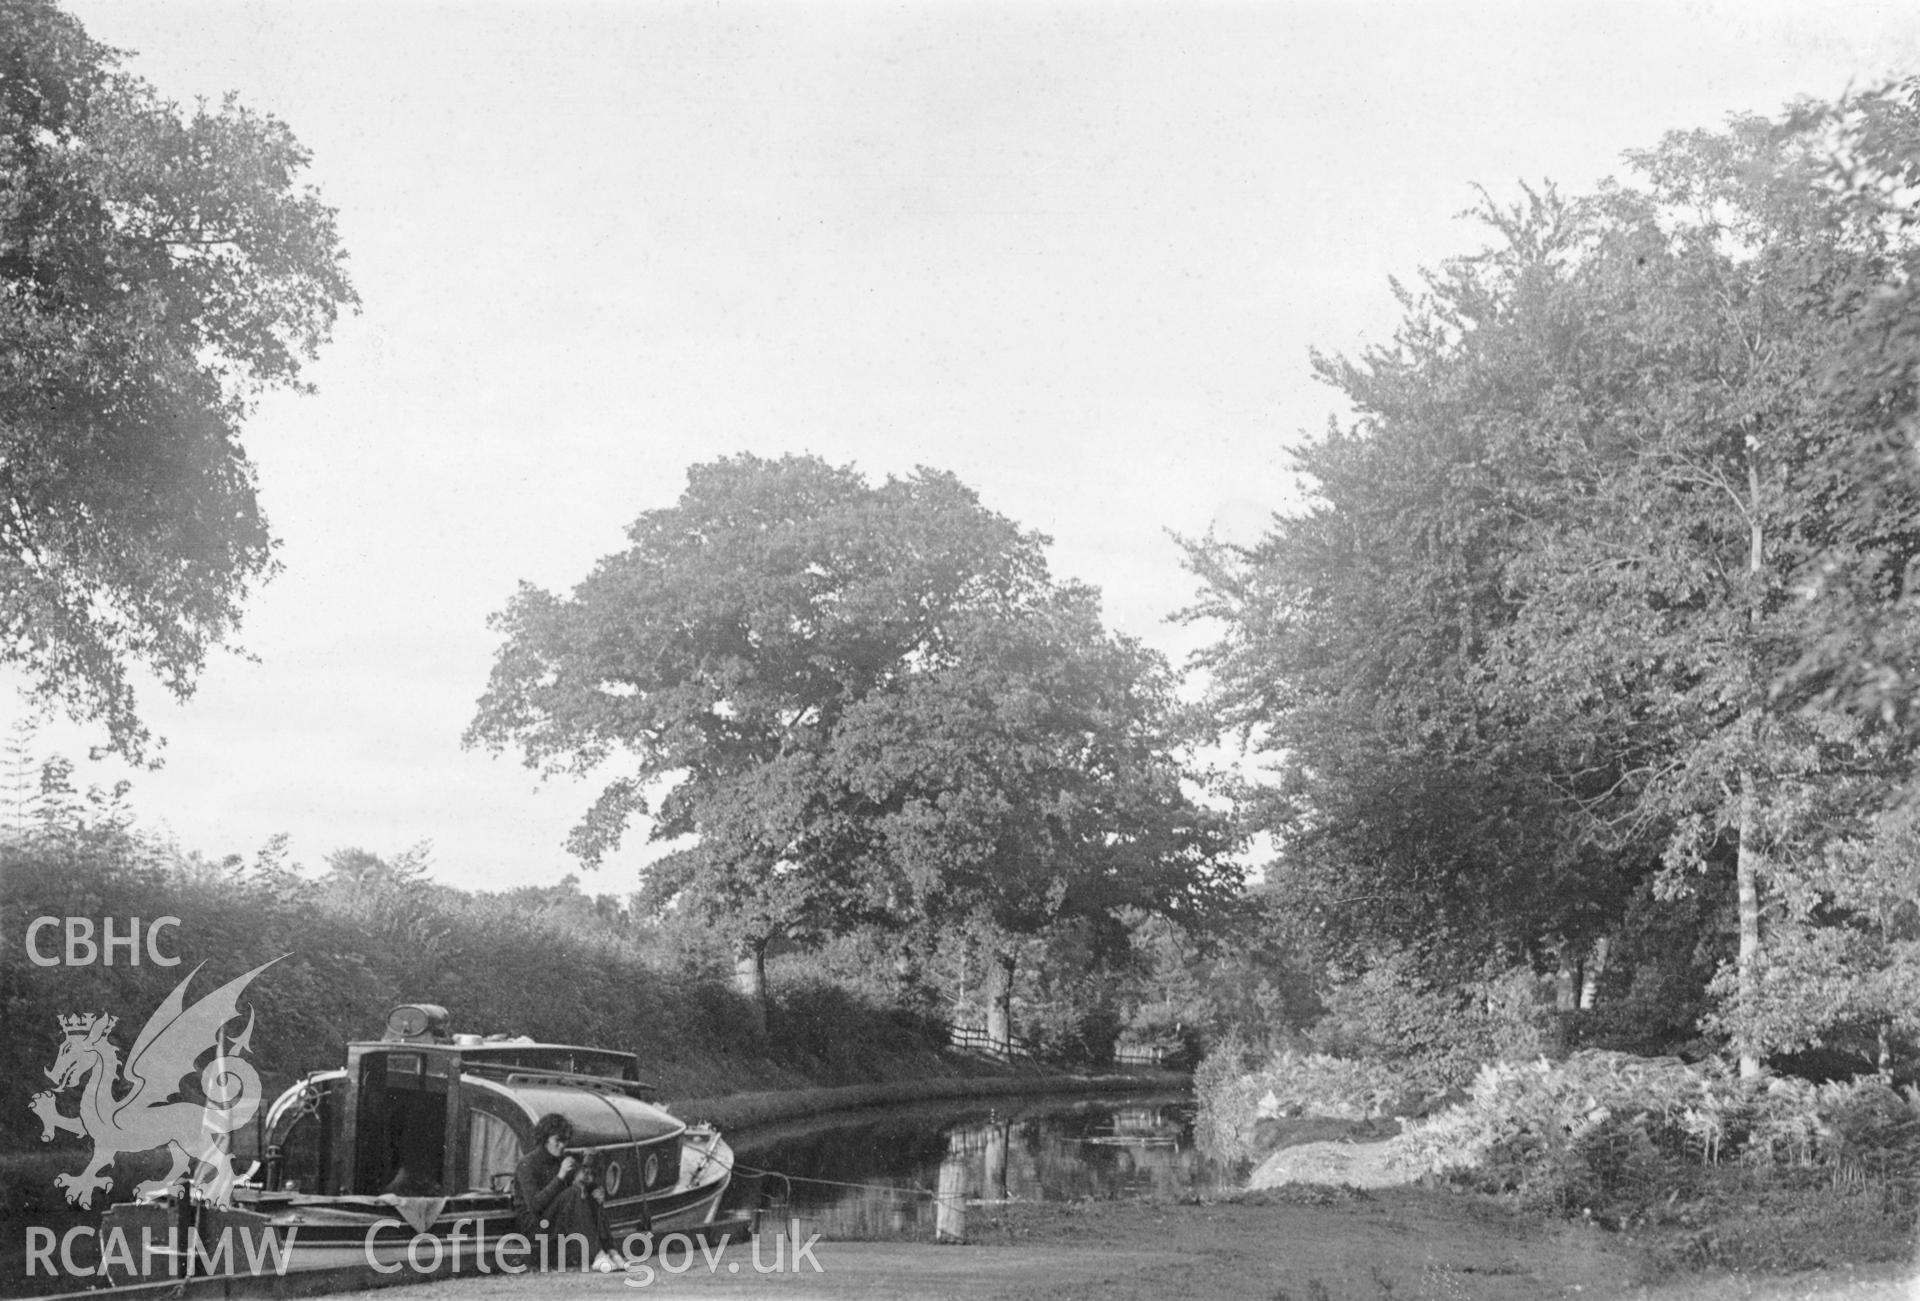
(1000, 1004)
(1596, 967)
(750, 978)
(1747, 864)
(1747, 882)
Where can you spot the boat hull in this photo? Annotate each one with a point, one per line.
(402, 1162)
(269, 1233)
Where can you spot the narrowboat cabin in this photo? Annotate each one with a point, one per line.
(423, 1128)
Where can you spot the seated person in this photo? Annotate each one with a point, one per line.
(552, 1202)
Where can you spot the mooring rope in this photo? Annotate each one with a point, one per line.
(790, 1179)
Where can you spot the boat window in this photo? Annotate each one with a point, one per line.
(492, 1148)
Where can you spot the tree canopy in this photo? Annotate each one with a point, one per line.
(1029, 774)
(1528, 655)
(158, 271)
(1864, 591)
(843, 703)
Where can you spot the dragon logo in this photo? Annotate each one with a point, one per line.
(148, 1111)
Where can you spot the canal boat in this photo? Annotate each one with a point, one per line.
(417, 1137)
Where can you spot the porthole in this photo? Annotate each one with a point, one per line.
(612, 1178)
(652, 1173)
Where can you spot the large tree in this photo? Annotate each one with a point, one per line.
(158, 270)
(1411, 807)
(845, 704)
(1694, 481)
(1554, 582)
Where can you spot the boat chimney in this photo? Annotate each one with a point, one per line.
(416, 1023)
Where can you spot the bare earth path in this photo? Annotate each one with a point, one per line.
(1335, 1164)
(1302, 1245)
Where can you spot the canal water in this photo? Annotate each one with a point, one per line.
(916, 1172)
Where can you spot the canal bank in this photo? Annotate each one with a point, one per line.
(742, 1110)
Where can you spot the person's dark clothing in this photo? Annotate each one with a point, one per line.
(547, 1206)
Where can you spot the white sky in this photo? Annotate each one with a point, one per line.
(1075, 254)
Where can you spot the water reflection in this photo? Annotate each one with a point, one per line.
(916, 1172)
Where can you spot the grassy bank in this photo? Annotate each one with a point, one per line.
(337, 953)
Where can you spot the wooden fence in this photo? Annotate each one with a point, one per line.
(974, 1038)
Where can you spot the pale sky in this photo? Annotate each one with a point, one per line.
(1075, 254)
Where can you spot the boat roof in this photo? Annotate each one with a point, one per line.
(598, 1090)
(575, 1060)
(427, 1025)
(598, 1118)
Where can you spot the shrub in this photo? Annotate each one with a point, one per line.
(1436, 1034)
(1224, 1091)
(1520, 1116)
(1340, 1088)
(1618, 1135)
(1233, 1097)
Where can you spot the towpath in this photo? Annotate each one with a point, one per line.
(1396, 1245)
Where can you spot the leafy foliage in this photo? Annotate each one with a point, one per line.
(851, 705)
(1843, 957)
(157, 271)
(554, 963)
(1714, 1170)
(1390, 1043)
(1435, 1034)
(1184, 991)
(1861, 656)
(1582, 1127)
(1525, 661)
(1030, 777)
